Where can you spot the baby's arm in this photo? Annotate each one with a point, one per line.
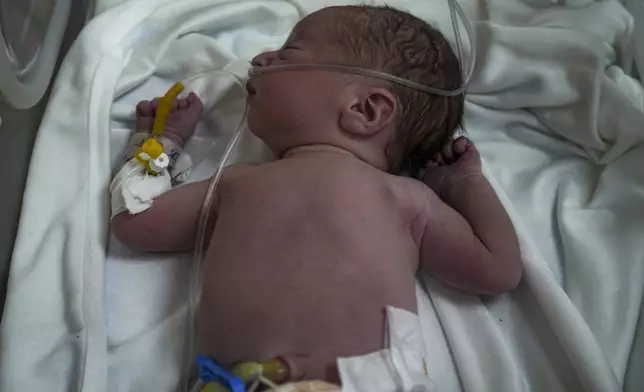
(468, 239)
(170, 224)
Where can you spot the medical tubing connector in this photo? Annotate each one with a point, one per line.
(455, 9)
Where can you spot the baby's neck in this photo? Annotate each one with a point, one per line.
(300, 151)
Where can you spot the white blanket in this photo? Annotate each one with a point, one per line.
(560, 127)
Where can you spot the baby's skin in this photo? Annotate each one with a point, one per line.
(308, 250)
(305, 252)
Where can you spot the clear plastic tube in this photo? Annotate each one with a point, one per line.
(358, 71)
(455, 9)
(195, 292)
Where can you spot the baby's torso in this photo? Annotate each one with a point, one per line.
(304, 258)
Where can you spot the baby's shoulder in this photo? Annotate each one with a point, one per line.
(232, 174)
(237, 170)
(411, 193)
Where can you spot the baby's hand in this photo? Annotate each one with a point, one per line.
(458, 160)
(180, 123)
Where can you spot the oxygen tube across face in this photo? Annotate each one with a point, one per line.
(455, 9)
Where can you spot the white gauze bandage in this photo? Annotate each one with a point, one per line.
(400, 366)
(133, 189)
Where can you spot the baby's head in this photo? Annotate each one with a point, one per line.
(378, 120)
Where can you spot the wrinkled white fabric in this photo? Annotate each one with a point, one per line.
(558, 127)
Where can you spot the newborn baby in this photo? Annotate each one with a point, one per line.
(306, 252)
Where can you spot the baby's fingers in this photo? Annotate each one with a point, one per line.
(145, 109)
(460, 146)
(193, 103)
(155, 104)
(448, 154)
(438, 159)
(179, 104)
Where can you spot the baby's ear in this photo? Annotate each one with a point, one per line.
(370, 112)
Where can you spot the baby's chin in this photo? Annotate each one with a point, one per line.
(271, 134)
(256, 130)
(254, 124)
(264, 135)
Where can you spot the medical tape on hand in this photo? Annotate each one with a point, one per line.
(133, 189)
(180, 161)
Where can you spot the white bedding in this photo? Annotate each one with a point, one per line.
(560, 129)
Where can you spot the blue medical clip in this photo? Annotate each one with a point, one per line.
(209, 372)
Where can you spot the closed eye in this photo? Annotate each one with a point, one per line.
(285, 51)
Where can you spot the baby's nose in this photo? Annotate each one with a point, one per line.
(264, 59)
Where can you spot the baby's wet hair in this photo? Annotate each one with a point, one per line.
(396, 42)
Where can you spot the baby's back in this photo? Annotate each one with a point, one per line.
(306, 254)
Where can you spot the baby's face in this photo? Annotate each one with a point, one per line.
(287, 107)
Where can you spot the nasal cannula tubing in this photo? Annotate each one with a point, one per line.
(454, 9)
(212, 185)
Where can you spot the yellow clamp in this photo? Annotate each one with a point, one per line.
(149, 151)
(273, 369)
(151, 148)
